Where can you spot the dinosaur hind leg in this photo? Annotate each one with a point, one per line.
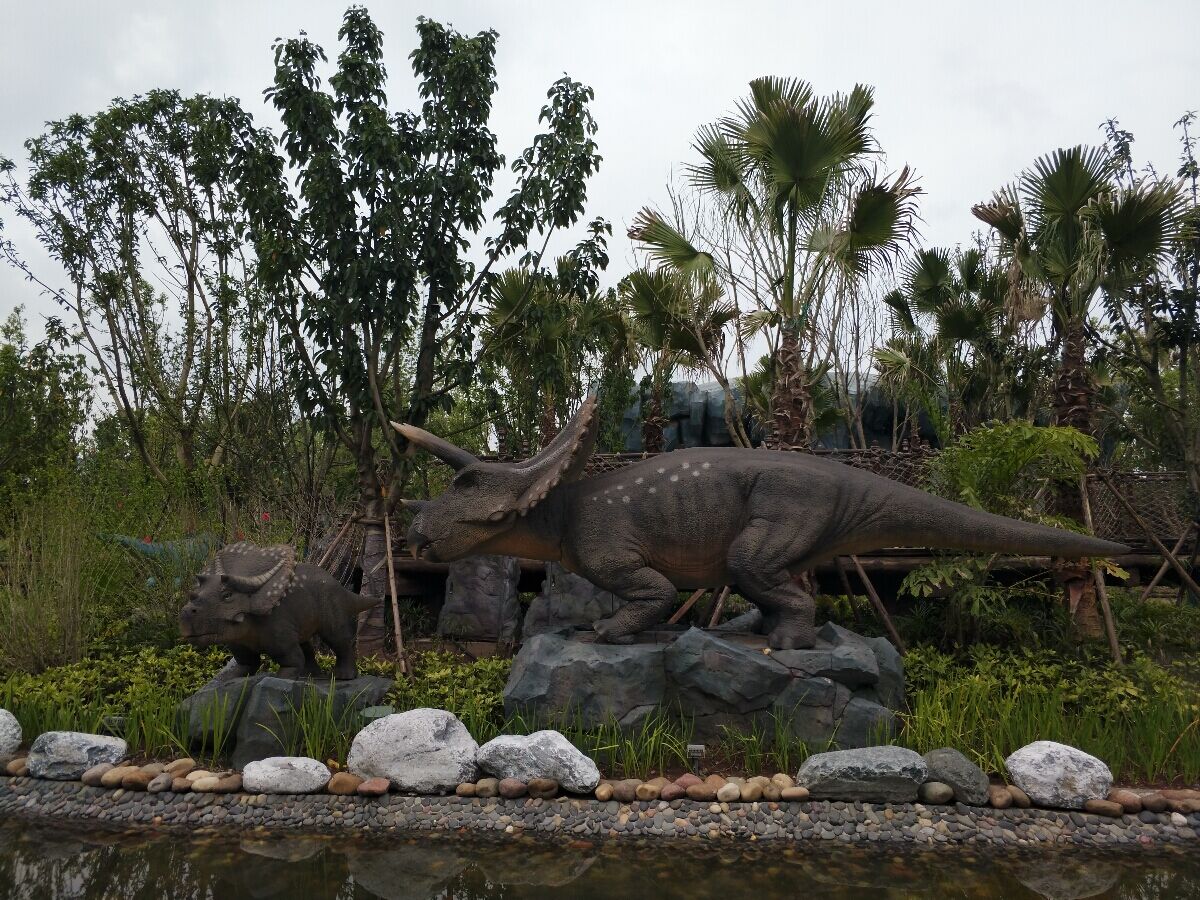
(760, 562)
(650, 599)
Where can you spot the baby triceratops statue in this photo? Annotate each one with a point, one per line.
(257, 600)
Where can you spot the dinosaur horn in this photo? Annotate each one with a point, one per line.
(218, 569)
(455, 457)
(249, 584)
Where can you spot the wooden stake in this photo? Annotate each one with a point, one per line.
(687, 604)
(845, 578)
(391, 567)
(1162, 570)
(1183, 573)
(720, 607)
(1110, 626)
(880, 611)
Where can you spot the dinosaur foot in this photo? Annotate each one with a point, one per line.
(792, 636)
(610, 633)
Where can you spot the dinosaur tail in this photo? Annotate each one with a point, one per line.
(356, 603)
(913, 518)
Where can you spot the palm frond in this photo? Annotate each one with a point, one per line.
(666, 246)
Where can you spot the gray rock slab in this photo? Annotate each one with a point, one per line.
(543, 754)
(869, 774)
(851, 664)
(66, 755)
(711, 675)
(951, 767)
(567, 601)
(420, 751)
(481, 599)
(864, 723)
(553, 677)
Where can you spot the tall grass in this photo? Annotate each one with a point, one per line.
(1156, 739)
(316, 728)
(48, 586)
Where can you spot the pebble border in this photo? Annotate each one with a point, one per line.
(580, 818)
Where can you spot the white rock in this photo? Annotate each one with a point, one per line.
(543, 754)
(1057, 775)
(66, 755)
(284, 775)
(421, 751)
(10, 733)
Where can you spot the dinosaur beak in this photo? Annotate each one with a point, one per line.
(417, 543)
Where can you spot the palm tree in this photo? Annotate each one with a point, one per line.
(795, 177)
(957, 350)
(679, 321)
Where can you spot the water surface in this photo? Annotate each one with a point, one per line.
(39, 862)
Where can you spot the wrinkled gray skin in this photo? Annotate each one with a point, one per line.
(702, 517)
(255, 600)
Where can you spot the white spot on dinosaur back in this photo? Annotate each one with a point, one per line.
(695, 473)
(660, 471)
(706, 466)
(620, 487)
(625, 499)
(639, 480)
(674, 477)
(685, 465)
(653, 490)
(610, 499)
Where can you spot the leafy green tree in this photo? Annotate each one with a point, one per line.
(45, 394)
(803, 214)
(136, 205)
(368, 262)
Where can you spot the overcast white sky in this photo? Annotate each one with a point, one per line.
(966, 92)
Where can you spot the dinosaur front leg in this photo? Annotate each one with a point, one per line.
(650, 598)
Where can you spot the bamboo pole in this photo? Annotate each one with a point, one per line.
(1183, 573)
(391, 567)
(845, 579)
(337, 539)
(720, 607)
(1166, 564)
(688, 604)
(1110, 626)
(880, 611)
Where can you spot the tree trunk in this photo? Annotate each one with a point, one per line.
(372, 625)
(653, 421)
(1073, 392)
(549, 424)
(791, 401)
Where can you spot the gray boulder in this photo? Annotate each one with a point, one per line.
(285, 775)
(890, 687)
(711, 675)
(950, 767)
(481, 599)
(1058, 775)
(567, 601)
(421, 751)
(868, 774)
(553, 676)
(213, 712)
(865, 722)
(543, 754)
(268, 715)
(66, 755)
(10, 733)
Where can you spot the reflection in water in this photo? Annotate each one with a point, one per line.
(40, 863)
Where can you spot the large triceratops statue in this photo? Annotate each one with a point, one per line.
(701, 517)
(257, 600)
